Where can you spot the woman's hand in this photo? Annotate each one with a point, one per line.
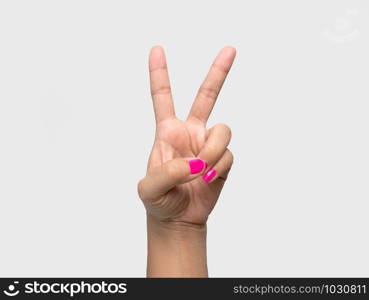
(188, 163)
(186, 171)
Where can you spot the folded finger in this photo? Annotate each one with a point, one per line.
(220, 169)
(163, 178)
(216, 143)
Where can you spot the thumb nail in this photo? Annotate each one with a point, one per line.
(197, 165)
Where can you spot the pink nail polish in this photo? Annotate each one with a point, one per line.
(209, 175)
(196, 165)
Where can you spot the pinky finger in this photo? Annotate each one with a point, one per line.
(220, 169)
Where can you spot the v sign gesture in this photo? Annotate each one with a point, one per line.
(189, 163)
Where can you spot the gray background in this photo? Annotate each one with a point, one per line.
(76, 127)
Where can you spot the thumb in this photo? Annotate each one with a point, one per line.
(163, 178)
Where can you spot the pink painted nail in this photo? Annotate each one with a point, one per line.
(196, 165)
(209, 175)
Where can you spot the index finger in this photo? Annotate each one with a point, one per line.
(210, 88)
(160, 85)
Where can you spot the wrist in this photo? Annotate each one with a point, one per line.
(176, 249)
(175, 230)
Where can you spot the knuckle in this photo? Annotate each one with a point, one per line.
(208, 91)
(220, 68)
(231, 157)
(161, 90)
(140, 189)
(227, 130)
(224, 129)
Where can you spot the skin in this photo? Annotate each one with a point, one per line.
(177, 202)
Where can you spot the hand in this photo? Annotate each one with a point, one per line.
(188, 164)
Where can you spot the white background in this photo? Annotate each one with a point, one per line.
(76, 127)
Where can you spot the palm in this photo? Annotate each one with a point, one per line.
(192, 200)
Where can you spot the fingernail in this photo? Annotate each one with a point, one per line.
(209, 175)
(197, 165)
